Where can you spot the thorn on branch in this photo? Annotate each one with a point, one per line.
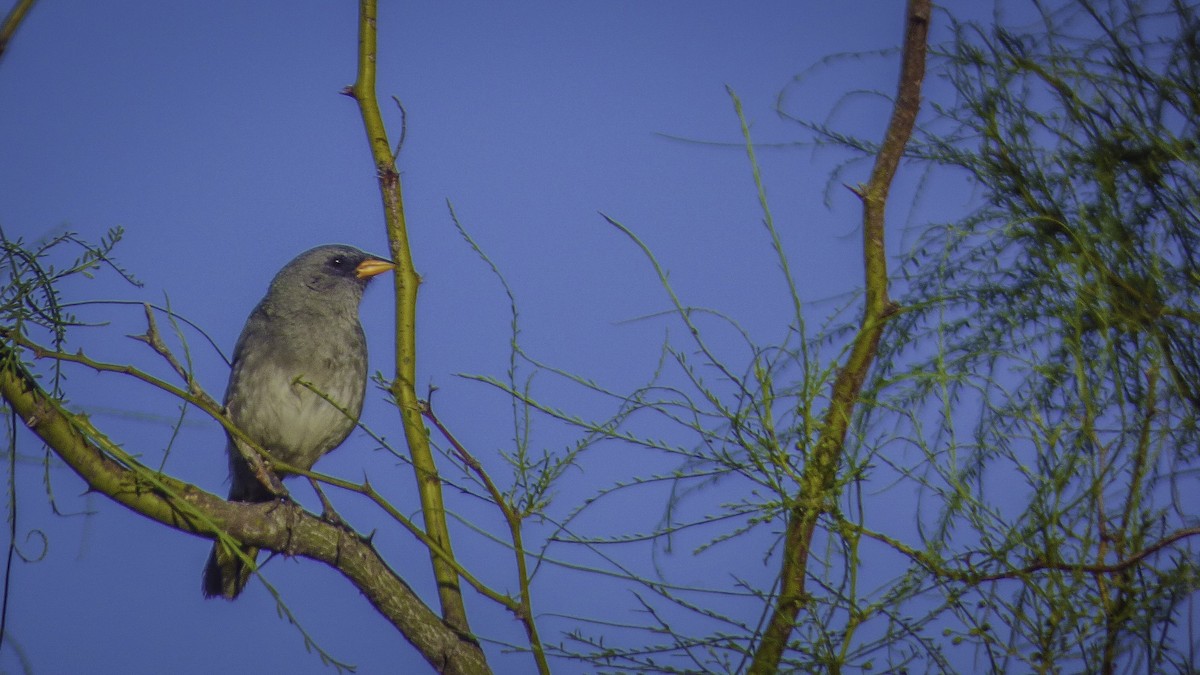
(348, 90)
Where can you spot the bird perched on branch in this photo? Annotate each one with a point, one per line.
(304, 337)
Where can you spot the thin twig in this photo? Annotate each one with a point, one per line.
(13, 21)
(403, 130)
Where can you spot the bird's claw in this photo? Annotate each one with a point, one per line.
(274, 485)
(328, 514)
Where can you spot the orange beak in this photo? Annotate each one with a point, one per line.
(372, 266)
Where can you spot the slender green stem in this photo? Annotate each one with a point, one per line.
(524, 609)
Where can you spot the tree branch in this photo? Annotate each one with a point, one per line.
(522, 607)
(12, 21)
(818, 483)
(403, 388)
(278, 526)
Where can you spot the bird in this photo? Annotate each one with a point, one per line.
(306, 329)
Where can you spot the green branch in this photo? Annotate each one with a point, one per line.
(403, 388)
(818, 483)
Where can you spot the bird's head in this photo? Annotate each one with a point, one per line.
(335, 273)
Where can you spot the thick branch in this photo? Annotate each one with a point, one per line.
(282, 527)
(818, 485)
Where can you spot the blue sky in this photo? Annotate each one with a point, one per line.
(215, 135)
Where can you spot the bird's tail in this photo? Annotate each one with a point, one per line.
(226, 573)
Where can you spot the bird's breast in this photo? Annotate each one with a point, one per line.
(298, 408)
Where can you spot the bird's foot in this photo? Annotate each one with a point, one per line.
(328, 513)
(272, 482)
(261, 469)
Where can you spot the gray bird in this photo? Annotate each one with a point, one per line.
(306, 328)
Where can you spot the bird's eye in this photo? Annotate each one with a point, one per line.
(337, 261)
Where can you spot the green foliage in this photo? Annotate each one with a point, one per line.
(1053, 335)
(31, 291)
(1035, 407)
